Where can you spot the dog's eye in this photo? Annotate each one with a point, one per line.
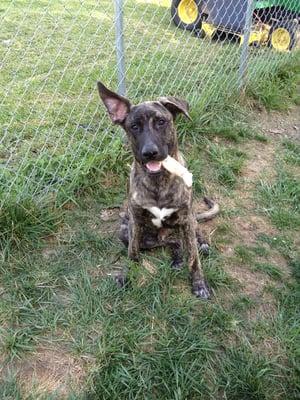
(161, 122)
(134, 127)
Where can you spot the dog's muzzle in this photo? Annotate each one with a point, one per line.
(151, 158)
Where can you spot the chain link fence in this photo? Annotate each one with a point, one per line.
(52, 52)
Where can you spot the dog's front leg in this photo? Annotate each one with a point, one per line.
(199, 286)
(130, 234)
(134, 237)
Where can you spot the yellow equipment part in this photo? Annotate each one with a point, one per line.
(259, 34)
(208, 29)
(281, 39)
(188, 11)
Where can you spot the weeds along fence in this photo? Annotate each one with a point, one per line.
(56, 138)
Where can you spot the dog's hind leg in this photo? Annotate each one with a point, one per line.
(199, 286)
(176, 254)
(203, 245)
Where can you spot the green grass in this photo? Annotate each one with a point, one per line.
(281, 199)
(228, 163)
(11, 390)
(269, 269)
(152, 340)
(280, 242)
(248, 375)
(292, 152)
(64, 164)
(278, 91)
(248, 253)
(26, 222)
(244, 253)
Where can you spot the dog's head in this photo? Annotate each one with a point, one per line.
(149, 125)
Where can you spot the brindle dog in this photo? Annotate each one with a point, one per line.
(159, 210)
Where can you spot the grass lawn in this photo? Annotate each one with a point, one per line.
(66, 331)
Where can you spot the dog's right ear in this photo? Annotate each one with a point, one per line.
(118, 107)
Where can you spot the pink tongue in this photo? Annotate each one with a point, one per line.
(153, 166)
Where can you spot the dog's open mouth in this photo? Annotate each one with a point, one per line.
(153, 166)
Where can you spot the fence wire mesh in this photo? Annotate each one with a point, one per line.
(54, 130)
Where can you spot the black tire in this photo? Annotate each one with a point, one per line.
(289, 27)
(196, 25)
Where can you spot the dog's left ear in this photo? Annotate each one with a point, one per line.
(175, 106)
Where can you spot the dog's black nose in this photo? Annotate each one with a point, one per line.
(150, 151)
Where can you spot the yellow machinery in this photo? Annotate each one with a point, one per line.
(274, 23)
(259, 34)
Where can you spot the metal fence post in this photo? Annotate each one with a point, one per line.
(245, 46)
(120, 47)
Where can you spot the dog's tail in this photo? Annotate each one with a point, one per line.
(214, 210)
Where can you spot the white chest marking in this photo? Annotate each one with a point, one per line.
(160, 214)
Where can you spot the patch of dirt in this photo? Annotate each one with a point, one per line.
(261, 160)
(253, 284)
(281, 125)
(248, 225)
(51, 370)
(247, 228)
(48, 253)
(271, 346)
(266, 307)
(106, 222)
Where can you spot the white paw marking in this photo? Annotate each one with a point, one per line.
(160, 214)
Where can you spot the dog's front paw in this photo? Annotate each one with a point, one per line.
(177, 264)
(200, 289)
(204, 248)
(121, 279)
